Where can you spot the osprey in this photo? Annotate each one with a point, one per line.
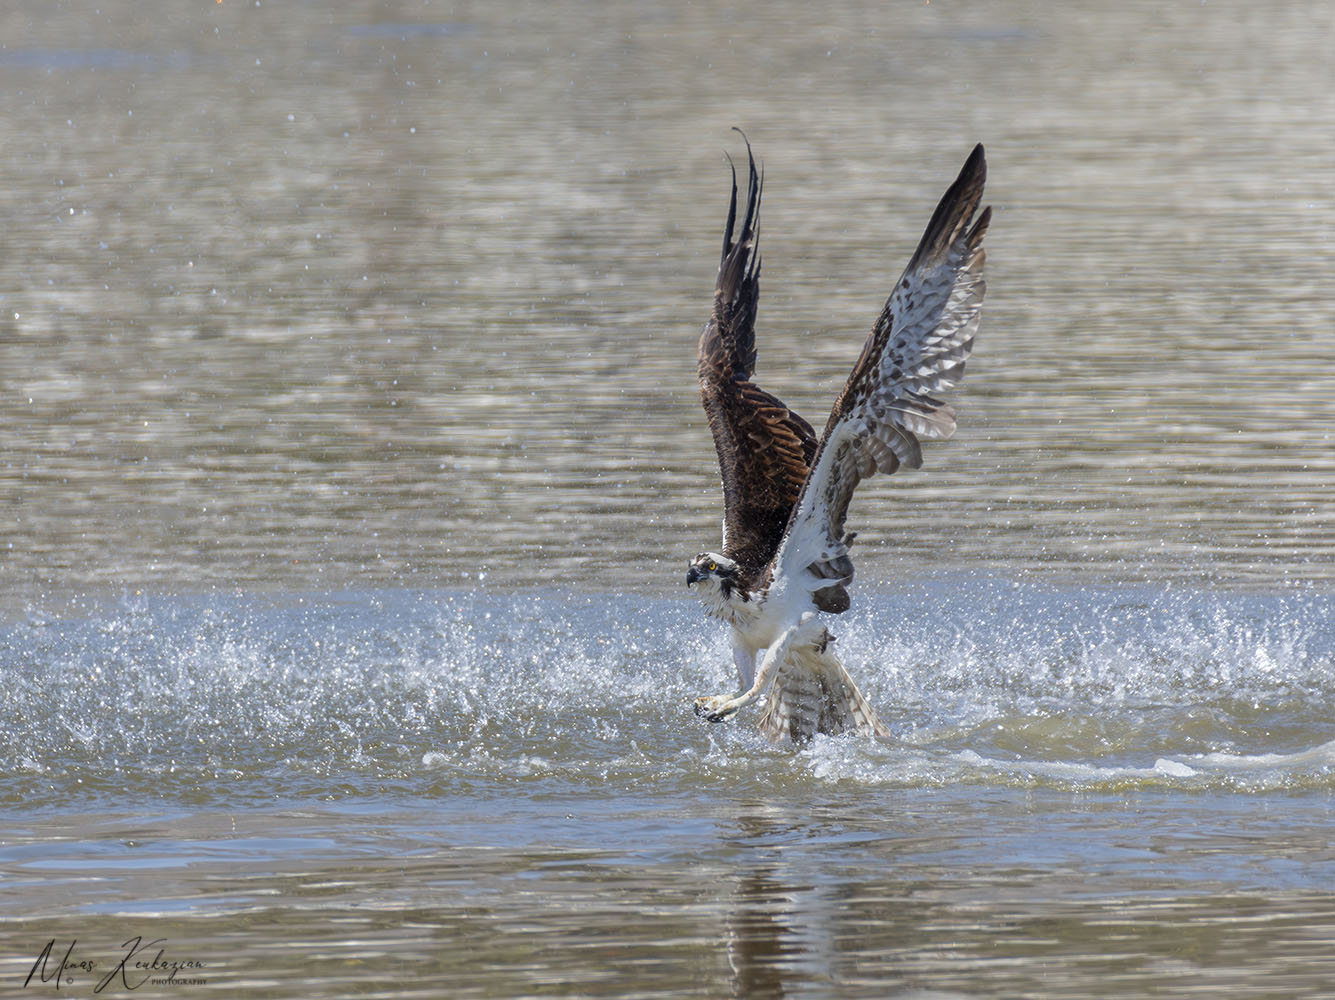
(786, 492)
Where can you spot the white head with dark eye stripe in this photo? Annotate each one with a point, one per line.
(717, 573)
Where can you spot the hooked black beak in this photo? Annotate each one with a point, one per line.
(693, 575)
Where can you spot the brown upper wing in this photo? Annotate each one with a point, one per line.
(764, 448)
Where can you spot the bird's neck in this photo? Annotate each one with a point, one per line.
(731, 604)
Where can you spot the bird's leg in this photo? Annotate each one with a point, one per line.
(721, 706)
(744, 659)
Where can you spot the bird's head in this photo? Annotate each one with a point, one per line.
(710, 567)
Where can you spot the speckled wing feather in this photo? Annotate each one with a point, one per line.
(918, 346)
(764, 448)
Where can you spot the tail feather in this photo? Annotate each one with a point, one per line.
(813, 693)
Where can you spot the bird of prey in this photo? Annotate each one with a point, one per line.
(786, 492)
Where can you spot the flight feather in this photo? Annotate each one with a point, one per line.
(764, 448)
(918, 346)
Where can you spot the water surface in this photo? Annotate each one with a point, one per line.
(351, 458)
(302, 296)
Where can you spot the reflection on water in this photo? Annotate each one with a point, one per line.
(901, 904)
(390, 294)
(861, 896)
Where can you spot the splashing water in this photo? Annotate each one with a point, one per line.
(237, 700)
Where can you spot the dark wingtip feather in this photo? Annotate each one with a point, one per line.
(732, 213)
(736, 290)
(744, 139)
(755, 183)
(977, 161)
(954, 210)
(979, 229)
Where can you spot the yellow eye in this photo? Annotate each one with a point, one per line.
(712, 566)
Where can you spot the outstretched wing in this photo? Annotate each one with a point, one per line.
(918, 346)
(764, 448)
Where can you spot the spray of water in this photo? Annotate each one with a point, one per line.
(425, 693)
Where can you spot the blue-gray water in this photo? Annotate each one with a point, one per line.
(350, 460)
(391, 791)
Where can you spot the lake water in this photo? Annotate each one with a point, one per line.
(351, 459)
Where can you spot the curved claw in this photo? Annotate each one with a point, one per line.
(716, 708)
